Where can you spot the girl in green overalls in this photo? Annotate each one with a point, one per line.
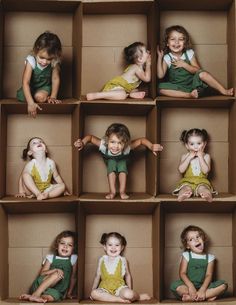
(41, 77)
(195, 165)
(115, 148)
(196, 269)
(178, 62)
(39, 178)
(112, 282)
(57, 276)
(139, 69)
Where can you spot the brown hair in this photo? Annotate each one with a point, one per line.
(63, 234)
(186, 134)
(193, 228)
(132, 52)
(179, 29)
(51, 43)
(25, 150)
(120, 130)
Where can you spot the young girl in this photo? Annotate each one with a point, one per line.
(112, 282)
(196, 269)
(41, 77)
(195, 165)
(57, 276)
(36, 178)
(185, 77)
(139, 69)
(115, 148)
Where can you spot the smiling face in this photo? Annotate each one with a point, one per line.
(195, 143)
(176, 42)
(36, 145)
(43, 59)
(65, 246)
(113, 247)
(195, 242)
(115, 145)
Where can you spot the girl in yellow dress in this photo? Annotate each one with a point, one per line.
(112, 282)
(39, 173)
(195, 165)
(139, 69)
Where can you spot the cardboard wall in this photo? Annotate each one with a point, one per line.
(3, 255)
(173, 122)
(94, 168)
(30, 239)
(220, 244)
(104, 38)
(138, 250)
(55, 130)
(19, 40)
(208, 33)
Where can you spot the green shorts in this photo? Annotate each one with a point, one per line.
(116, 166)
(21, 97)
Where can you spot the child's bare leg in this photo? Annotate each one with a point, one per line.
(185, 193)
(181, 94)
(122, 181)
(112, 185)
(107, 95)
(41, 96)
(205, 193)
(137, 94)
(183, 293)
(49, 281)
(213, 293)
(131, 295)
(212, 82)
(104, 296)
(28, 182)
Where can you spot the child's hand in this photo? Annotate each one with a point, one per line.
(60, 273)
(200, 295)
(32, 109)
(192, 155)
(160, 52)
(156, 148)
(70, 296)
(67, 193)
(178, 63)
(192, 292)
(149, 60)
(53, 100)
(79, 144)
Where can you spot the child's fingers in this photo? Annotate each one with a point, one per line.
(37, 106)
(154, 153)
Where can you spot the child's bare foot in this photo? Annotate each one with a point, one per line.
(30, 196)
(91, 96)
(184, 196)
(42, 196)
(211, 299)
(194, 93)
(24, 297)
(207, 196)
(137, 94)
(124, 196)
(186, 298)
(110, 196)
(144, 297)
(228, 92)
(37, 299)
(120, 300)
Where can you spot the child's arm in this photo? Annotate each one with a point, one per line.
(205, 161)
(128, 278)
(28, 180)
(143, 141)
(87, 139)
(45, 270)
(161, 64)
(201, 293)
(97, 277)
(55, 85)
(32, 106)
(193, 67)
(72, 281)
(183, 276)
(145, 75)
(55, 173)
(21, 190)
(185, 160)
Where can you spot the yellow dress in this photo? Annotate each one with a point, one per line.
(111, 282)
(119, 81)
(42, 184)
(194, 177)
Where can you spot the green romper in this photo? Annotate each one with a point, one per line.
(181, 80)
(196, 272)
(117, 164)
(59, 290)
(40, 80)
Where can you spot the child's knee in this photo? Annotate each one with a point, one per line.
(203, 75)
(128, 294)
(94, 294)
(41, 97)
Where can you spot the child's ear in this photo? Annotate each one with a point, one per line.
(29, 153)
